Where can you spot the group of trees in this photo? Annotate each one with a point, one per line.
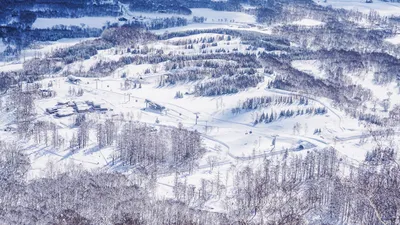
(227, 84)
(265, 101)
(16, 40)
(294, 190)
(143, 146)
(174, 62)
(170, 6)
(160, 23)
(61, 8)
(85, 198)
(318, 187)
(136, 145)
(273, 116)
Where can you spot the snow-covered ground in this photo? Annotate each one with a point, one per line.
(232, 138)
(308, 22)
(6, 67)
(394, 40)
(2, 46)
(309, 66)
(383, 8)
(212, 16)
(235, 135)
(40, 49)
(94, 22)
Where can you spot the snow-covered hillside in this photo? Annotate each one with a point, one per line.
(293, 120)
(382, 7)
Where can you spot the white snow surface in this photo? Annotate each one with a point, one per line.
(394, 40)
(94, 22)
(233, 139)
(308, 22)
(383, 8)
(212, 17)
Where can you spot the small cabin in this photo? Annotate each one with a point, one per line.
(99, 107)
(65, 112)
(46, 93)
(154, 106)
(82, 107)
(73, 79)
(52, 110)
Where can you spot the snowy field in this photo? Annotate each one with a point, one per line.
(6, 67)
(94, 22)
(394, 40)
(308, 22)
(213, 17)
(383, 8)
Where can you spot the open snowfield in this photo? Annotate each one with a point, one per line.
(212, 16)
(308, 22)
(6, 67)
(94, 22)
(394, 40)
(383, 8)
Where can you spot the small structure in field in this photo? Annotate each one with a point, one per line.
(73, 79)
(154, 106)
(64, 112)
(52, 110)
(46, 93)
(81, 107)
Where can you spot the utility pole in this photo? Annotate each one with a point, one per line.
(274, 142)
(197, 116)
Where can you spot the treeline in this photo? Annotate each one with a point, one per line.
(315, 187)
(167, 147)
(136, 145)
(84, 50)
(63, 8)
(85, 198)
(105, 67)
(274, 116)
(243, 34)
(20, 39)
(294, 190)
(160, 23)
(203, 40)
(255, 39)
(227, 84)
(343, 93)
(181, 72)
(265, 101)
(169, 6)
(181, 6)
(384, 66)
(7, 79)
